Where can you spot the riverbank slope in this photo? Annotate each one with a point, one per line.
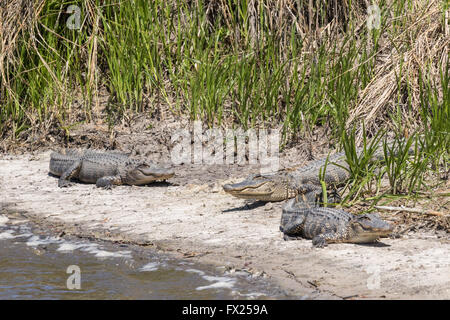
(199, 221)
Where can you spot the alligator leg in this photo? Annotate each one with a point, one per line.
(293, 228)
(72, 171)
(289, 237)
(334, 197)
(108, 182)
(319, 241)
(322, 240)
(310, 193)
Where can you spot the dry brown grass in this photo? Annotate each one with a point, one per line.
(420, 47)
(17, 18)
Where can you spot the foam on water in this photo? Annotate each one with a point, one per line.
(67, 246)
(64, 246)
(251, 295)
(109, 254)
(8, 234)
(35, 241)
(3, 220)
(151, 266)
(195, 271)
(24, 235)
(94, 249)
(219, 282)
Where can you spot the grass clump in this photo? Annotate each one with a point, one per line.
(293, 65)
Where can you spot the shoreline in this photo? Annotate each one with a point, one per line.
(144, 272)
(204, 224)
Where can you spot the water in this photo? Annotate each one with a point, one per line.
(35, 267)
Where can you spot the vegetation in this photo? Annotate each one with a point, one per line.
(292, 64)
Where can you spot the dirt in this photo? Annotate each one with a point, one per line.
(190, 216)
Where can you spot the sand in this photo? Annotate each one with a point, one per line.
(195, 219)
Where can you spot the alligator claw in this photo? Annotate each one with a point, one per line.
(289, 238)
(319, 242)
(64, 183)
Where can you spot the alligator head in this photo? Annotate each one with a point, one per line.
(262, 187)
(144, 173)
(368, 227)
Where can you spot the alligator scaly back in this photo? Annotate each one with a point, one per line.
(105, 169)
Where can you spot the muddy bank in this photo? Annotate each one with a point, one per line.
(199, 221)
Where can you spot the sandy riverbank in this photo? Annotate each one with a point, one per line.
(199, 221)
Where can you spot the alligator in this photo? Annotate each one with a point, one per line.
(288, 183)
(104, 168)
(326, 225)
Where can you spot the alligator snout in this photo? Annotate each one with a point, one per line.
(228, 187)
(160, 172)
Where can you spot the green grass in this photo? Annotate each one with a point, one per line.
(229, 64)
